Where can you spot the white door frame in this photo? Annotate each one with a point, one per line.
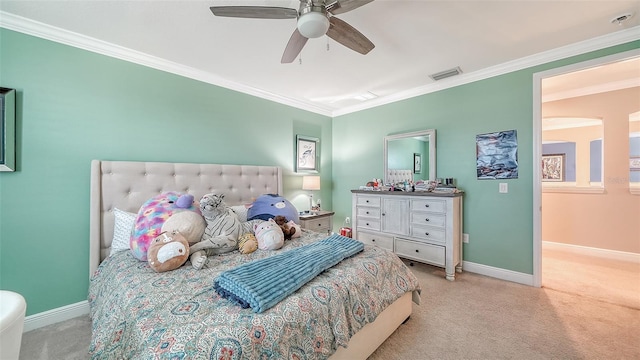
(537, 146)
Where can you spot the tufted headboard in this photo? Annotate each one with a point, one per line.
(398, 176)
(127, 185)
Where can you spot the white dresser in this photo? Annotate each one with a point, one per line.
(420, 226)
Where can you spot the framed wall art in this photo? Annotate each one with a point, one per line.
(497, 155)
(553, 167)
(417, 163)
(7, 129)
(307, 157)
(634, 163)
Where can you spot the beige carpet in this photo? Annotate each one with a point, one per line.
(616, 282)
(475, 317)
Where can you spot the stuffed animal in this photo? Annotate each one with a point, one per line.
(271, 205)
(168, 251)
(221, 233)
(189, 224)
(247, 243)
(152, 216)
(293, 226)
(269, 235)
(289, 228)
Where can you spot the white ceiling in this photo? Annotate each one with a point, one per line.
(413, 40)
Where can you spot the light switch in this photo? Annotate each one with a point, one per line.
(504, 188)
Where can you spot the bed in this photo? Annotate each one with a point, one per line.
(346, 312)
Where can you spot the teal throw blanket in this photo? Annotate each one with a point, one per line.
(263, 283)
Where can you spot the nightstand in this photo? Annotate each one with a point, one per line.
(320, 222)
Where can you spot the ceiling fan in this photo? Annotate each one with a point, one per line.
(315, 18)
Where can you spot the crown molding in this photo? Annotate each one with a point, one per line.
(48, 32)
(597, 43)
(44, 31)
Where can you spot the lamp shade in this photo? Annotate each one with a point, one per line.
(311, 182)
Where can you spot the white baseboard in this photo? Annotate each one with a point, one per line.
(498, 273)
(56, 315)
(591, 251)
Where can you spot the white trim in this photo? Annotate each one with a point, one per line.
(48, 32)
(537, 146)
(572, 189)
(56, 315)
(591, 251)
(591, 90)
(498, 273)
(44, 31)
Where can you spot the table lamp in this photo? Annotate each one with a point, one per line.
(311, 183)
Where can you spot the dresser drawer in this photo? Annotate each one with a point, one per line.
(431, 205)
(368, 212)
(432, 254)
(376, 239)
(365, 223)
(420, 218)
(429, 233)
(320, 225)
(368, 201)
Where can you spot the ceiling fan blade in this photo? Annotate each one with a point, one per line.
(255, 12)
(348, 36)
(294, 46)
(347, 5)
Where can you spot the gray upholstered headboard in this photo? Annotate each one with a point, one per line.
(127, 185)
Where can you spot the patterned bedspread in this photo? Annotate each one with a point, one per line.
(140, 314)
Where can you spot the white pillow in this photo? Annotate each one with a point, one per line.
(122, 228)
(241, 211)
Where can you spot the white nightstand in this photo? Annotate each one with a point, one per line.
(320, 222)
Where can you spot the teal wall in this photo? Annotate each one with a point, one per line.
(74, 106)
(500, 226)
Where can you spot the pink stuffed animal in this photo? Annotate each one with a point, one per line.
(269, 235)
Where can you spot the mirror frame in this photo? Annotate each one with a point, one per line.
(431, 133)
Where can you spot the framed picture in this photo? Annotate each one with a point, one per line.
(497, 155)
(7, 129)
(307, 158)
(417, 163)
(553, 167)
(634, 163)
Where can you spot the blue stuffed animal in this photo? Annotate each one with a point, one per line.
(269, 206)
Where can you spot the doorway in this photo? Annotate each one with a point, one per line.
(578, 187)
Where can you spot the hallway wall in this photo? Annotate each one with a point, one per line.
(607, 220)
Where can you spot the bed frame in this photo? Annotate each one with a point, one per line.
(127, 185)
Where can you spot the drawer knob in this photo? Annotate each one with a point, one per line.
(367, 201)
(383, 214)
(426, 205)
(373, 240)
(367, 213)
(319, 224)
(417, 250)
(426, 233)
(367, 224)
(427, 219)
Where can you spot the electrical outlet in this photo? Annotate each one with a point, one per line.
(465, 238)
(504, 188)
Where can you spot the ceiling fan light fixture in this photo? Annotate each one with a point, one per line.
(313, 24)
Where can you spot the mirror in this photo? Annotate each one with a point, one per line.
(410, 156)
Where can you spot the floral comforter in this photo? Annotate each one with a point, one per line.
(140, 314)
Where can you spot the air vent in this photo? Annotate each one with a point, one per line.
(447, 73)
(621, 18)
